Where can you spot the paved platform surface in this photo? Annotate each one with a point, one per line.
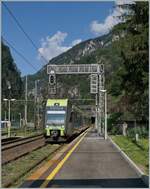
(94, 163)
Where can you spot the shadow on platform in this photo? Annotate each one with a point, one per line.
(89, 183)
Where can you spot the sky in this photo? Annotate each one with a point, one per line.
(54, 27)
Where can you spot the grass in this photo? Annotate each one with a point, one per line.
(22, 131)
(15, 169)
(144, 144)
(138, 152)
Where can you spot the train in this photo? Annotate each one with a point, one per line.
(62, 120)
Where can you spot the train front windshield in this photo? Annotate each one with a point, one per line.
(56, 117)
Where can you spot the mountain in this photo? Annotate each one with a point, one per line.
(91, 51)
(87, 52)
(12, 84)
(11, 79)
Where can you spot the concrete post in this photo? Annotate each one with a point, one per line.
(124, 128)
(9, 128)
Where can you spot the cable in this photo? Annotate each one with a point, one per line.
(22, 56)
(25, 33)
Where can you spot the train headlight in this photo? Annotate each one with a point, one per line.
(47, 126)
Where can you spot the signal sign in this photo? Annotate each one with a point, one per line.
(52, 79)
(52, 82)
(94, 84)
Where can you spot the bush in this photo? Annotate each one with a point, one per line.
(131, 132)
(145, 132)
(115, 130)
(112, 120)
(141, 131)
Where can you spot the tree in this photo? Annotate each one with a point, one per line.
(12, 85)
(133, 49)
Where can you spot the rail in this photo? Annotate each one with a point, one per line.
(13, 149)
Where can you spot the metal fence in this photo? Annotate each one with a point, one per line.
(35, 117)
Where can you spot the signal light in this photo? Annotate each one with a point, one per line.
(52, 79)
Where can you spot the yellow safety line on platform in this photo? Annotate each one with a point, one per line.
(39, 172)
(55, 171)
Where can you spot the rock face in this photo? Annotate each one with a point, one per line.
(82, 49)
(75, 55)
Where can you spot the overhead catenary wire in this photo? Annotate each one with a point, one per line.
(25, 33)
(20, 54)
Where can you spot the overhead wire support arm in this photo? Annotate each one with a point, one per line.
(76, 69)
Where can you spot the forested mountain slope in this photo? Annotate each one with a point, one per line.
(12, 85)
(124, 52)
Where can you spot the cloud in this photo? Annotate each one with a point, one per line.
(101, 28)
(122, 2)
(52, 46)
(75, 42)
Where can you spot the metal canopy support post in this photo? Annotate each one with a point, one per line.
(101, 105)
(96, 116)
(105, 116)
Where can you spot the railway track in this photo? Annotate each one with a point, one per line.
(11, 181)
(20, 146)
(10, 145)
(17, 147)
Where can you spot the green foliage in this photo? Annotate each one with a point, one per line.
(145, 132)
(114, 130)
(133, 49)
(141, 131)
(112, 121)
(10, 76)
(131, 133)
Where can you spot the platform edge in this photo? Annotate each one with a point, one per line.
(140, 173)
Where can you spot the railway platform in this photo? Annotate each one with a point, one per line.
(89, 161)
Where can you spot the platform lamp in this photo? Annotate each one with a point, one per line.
(9, 123)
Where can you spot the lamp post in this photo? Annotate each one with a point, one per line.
(9, 123)
(20, 119)
(9, 100)
(36, 103)
(105, 92)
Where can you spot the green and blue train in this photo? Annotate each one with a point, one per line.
(60, 119)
